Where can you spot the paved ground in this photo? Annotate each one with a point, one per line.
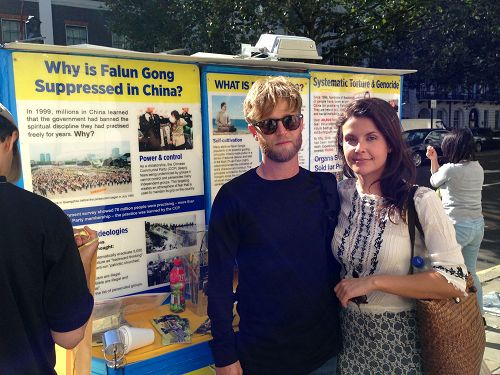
(490, 279)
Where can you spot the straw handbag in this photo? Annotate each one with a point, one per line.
(451, 330)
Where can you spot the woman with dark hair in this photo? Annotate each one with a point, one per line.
(460, 183)
(372, 245)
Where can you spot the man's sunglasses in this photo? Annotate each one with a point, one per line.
(269, 126)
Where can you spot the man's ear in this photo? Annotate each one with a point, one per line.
(11, 139)
(252, 130)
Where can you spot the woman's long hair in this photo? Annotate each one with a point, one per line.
(399, 171)
(459, 146)
(176, 115)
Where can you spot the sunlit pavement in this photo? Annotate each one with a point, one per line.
(488, 263)
(490, 280)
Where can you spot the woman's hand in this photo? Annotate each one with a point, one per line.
(431, 153)
(351, 288)
(433, 157)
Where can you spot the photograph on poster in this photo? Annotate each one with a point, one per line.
(160, 264)
(74, 170)
(359, 95)
(163, 235)
(227, 116)
(394, 103)
(159, 269)
(168, 130)
(195, 266)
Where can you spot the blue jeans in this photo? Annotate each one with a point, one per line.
(469, 235)
(328, 368)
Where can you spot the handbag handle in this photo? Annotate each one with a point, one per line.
(413, 221)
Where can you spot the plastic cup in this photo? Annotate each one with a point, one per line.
(134, 338)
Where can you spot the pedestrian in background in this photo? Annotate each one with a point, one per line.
(460, 182)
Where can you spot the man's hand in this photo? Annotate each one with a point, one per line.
(232, 369)
(87, 241)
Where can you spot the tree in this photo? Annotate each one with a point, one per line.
(453, 43)
(218, 26)
(348, 29)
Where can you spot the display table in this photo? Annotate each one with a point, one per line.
(156, 358)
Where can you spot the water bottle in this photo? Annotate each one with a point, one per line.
(177, 285)
(420, 264)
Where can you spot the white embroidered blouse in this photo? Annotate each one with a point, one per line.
(371, 244)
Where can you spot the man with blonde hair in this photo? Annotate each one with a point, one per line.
(43, 275)
(275, 222)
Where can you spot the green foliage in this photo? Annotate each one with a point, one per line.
(454, 44)
(218, 26)
(450, 42)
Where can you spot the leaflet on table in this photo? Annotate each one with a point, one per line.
(330, 92)
(117, 144)
(233, 149)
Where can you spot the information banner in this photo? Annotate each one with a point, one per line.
(117, 144)
(330, 92)
(233, 149)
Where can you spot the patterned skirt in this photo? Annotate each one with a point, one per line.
(379, 344)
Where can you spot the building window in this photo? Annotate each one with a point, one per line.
(76, 35)
(120, 41)
(456, 119)
(424, 113)
(10, 31)
(497, 119)
(485, 122)
(473, 118)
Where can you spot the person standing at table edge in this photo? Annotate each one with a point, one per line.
(460, 182)
(44, 276)
(275, 222)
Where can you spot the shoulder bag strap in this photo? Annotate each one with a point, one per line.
(413, 221)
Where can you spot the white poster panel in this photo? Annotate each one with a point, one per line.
(330, 92)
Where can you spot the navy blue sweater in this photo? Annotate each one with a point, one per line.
(278, 233)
